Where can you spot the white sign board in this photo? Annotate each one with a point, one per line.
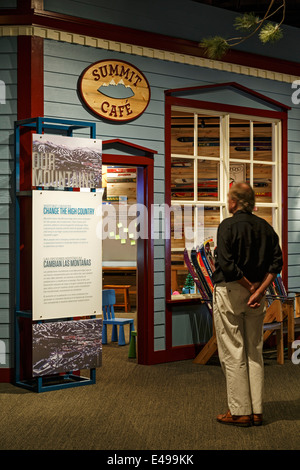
(67, 254)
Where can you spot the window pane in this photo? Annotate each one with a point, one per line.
(179, 272)
(180, 279)
(239, 139)
(262, 146)
(182, 133)
(211, 222)
(196, 177)
(208, 180)
(183, 222)
(185, 218)
(182, 227)
(182, 179)
(208, 136)
(238, 172)
(262, 182)
(265, 213)
(182, 236)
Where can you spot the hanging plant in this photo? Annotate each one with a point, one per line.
(216, 47)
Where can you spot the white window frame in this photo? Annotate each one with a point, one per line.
(225, 161)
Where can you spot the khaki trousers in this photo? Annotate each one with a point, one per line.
(239, 332)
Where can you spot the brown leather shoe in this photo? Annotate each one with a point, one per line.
(228, 418)
(257, 419)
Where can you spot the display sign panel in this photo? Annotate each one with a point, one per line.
(66, 162)
(64, 346)
(66, 254)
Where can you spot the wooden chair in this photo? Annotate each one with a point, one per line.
(276, 315)
(280, 311)
(280, 317)
(108, 302)
(297, 305)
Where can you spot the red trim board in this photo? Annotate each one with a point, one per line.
(101, 30)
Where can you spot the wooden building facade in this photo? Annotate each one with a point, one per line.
(205, 121)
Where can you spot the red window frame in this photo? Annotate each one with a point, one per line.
(172, 99)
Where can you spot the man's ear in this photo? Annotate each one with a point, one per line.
(235, 203)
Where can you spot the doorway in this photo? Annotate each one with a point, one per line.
(119, 245)
(134, 167)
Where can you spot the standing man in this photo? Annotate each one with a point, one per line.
(248, 258)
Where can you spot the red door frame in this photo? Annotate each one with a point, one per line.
(189, 351)
(281, 115)
(145, 252)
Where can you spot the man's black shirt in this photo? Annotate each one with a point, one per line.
(246, 246)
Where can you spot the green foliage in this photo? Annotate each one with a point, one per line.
(270, 32)
(214, 47)
(246, 22)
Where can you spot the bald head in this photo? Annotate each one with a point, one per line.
(243, 196)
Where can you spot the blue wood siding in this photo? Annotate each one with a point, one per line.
(65, 62)
(8, 114)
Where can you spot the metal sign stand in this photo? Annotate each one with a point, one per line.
(69, 379)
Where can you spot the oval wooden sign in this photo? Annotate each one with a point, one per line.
(114, 90)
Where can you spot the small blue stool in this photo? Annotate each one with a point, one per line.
(108, 302)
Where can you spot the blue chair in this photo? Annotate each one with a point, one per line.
(108, 302)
